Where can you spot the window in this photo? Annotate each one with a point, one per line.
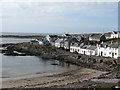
(109, 52)
(115, 53)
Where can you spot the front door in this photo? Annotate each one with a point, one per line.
(101, 53)
(84, 52)
(112, 54)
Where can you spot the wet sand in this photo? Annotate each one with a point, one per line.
(73, 76)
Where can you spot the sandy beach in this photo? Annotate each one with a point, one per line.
(78, 75)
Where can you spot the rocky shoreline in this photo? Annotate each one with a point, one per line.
(49, 52)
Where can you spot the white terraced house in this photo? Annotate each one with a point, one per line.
(88, 50)
(83, 49)
(115, 34)
(75, 47)
(108, 50)
(58, 42)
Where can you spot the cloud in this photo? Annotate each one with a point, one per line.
(51, 16)
(53, 9)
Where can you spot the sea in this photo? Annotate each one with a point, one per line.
(19, 67)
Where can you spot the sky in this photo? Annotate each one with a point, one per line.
(59, 17)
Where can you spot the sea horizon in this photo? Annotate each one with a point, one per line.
(26, 33)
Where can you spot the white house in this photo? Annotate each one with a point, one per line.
(88, 50)
(83, 49)
(97, 37)
(108, 50)
(108, 35)
(115, 34)
(40, 42)
(65, 35)
(58, 42)
(75, 47)
(49, 37)
(43, 41)
(91, 50)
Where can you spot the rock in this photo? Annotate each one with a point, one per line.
(54, 64)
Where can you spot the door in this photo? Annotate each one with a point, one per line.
(101, 53)
(84, 52)
(112, 54)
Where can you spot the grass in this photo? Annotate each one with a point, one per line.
(107, 62)
(113, 40)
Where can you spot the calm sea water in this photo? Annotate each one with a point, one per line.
(15, 67)
(26, 34)
(13, 40)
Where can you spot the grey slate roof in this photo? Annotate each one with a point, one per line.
(53, 39)
(107, 34)
(92, 47)
(112, 45)
(59, 40)
(96, 35)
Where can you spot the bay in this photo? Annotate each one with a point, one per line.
(18, 67)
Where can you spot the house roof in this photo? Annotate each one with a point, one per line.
(92, 47)
(52, 36)
(116, 32)
(69, 39)
(53, 39)
(67, 34)
(108, 34)
(75, 44)
(112, 45)
(59, 40)
(86, 35)
(96, 35)
(85, 46)
(82, 44)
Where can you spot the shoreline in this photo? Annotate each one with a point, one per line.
(72, 76)
(90, 70)
(49, 52)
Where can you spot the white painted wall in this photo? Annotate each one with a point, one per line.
(57, 44)
(74, 49)
(115, 35)
(82, 51)
(48, 38)
(40, 42)
(108, 52)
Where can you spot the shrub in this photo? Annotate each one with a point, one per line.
(94, 60)
(101, 61)
(107, 62)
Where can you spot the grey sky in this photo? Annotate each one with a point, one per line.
(72, 17)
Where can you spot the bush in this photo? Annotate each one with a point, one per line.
(94, 60)
(101, 61)
(107, 62)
